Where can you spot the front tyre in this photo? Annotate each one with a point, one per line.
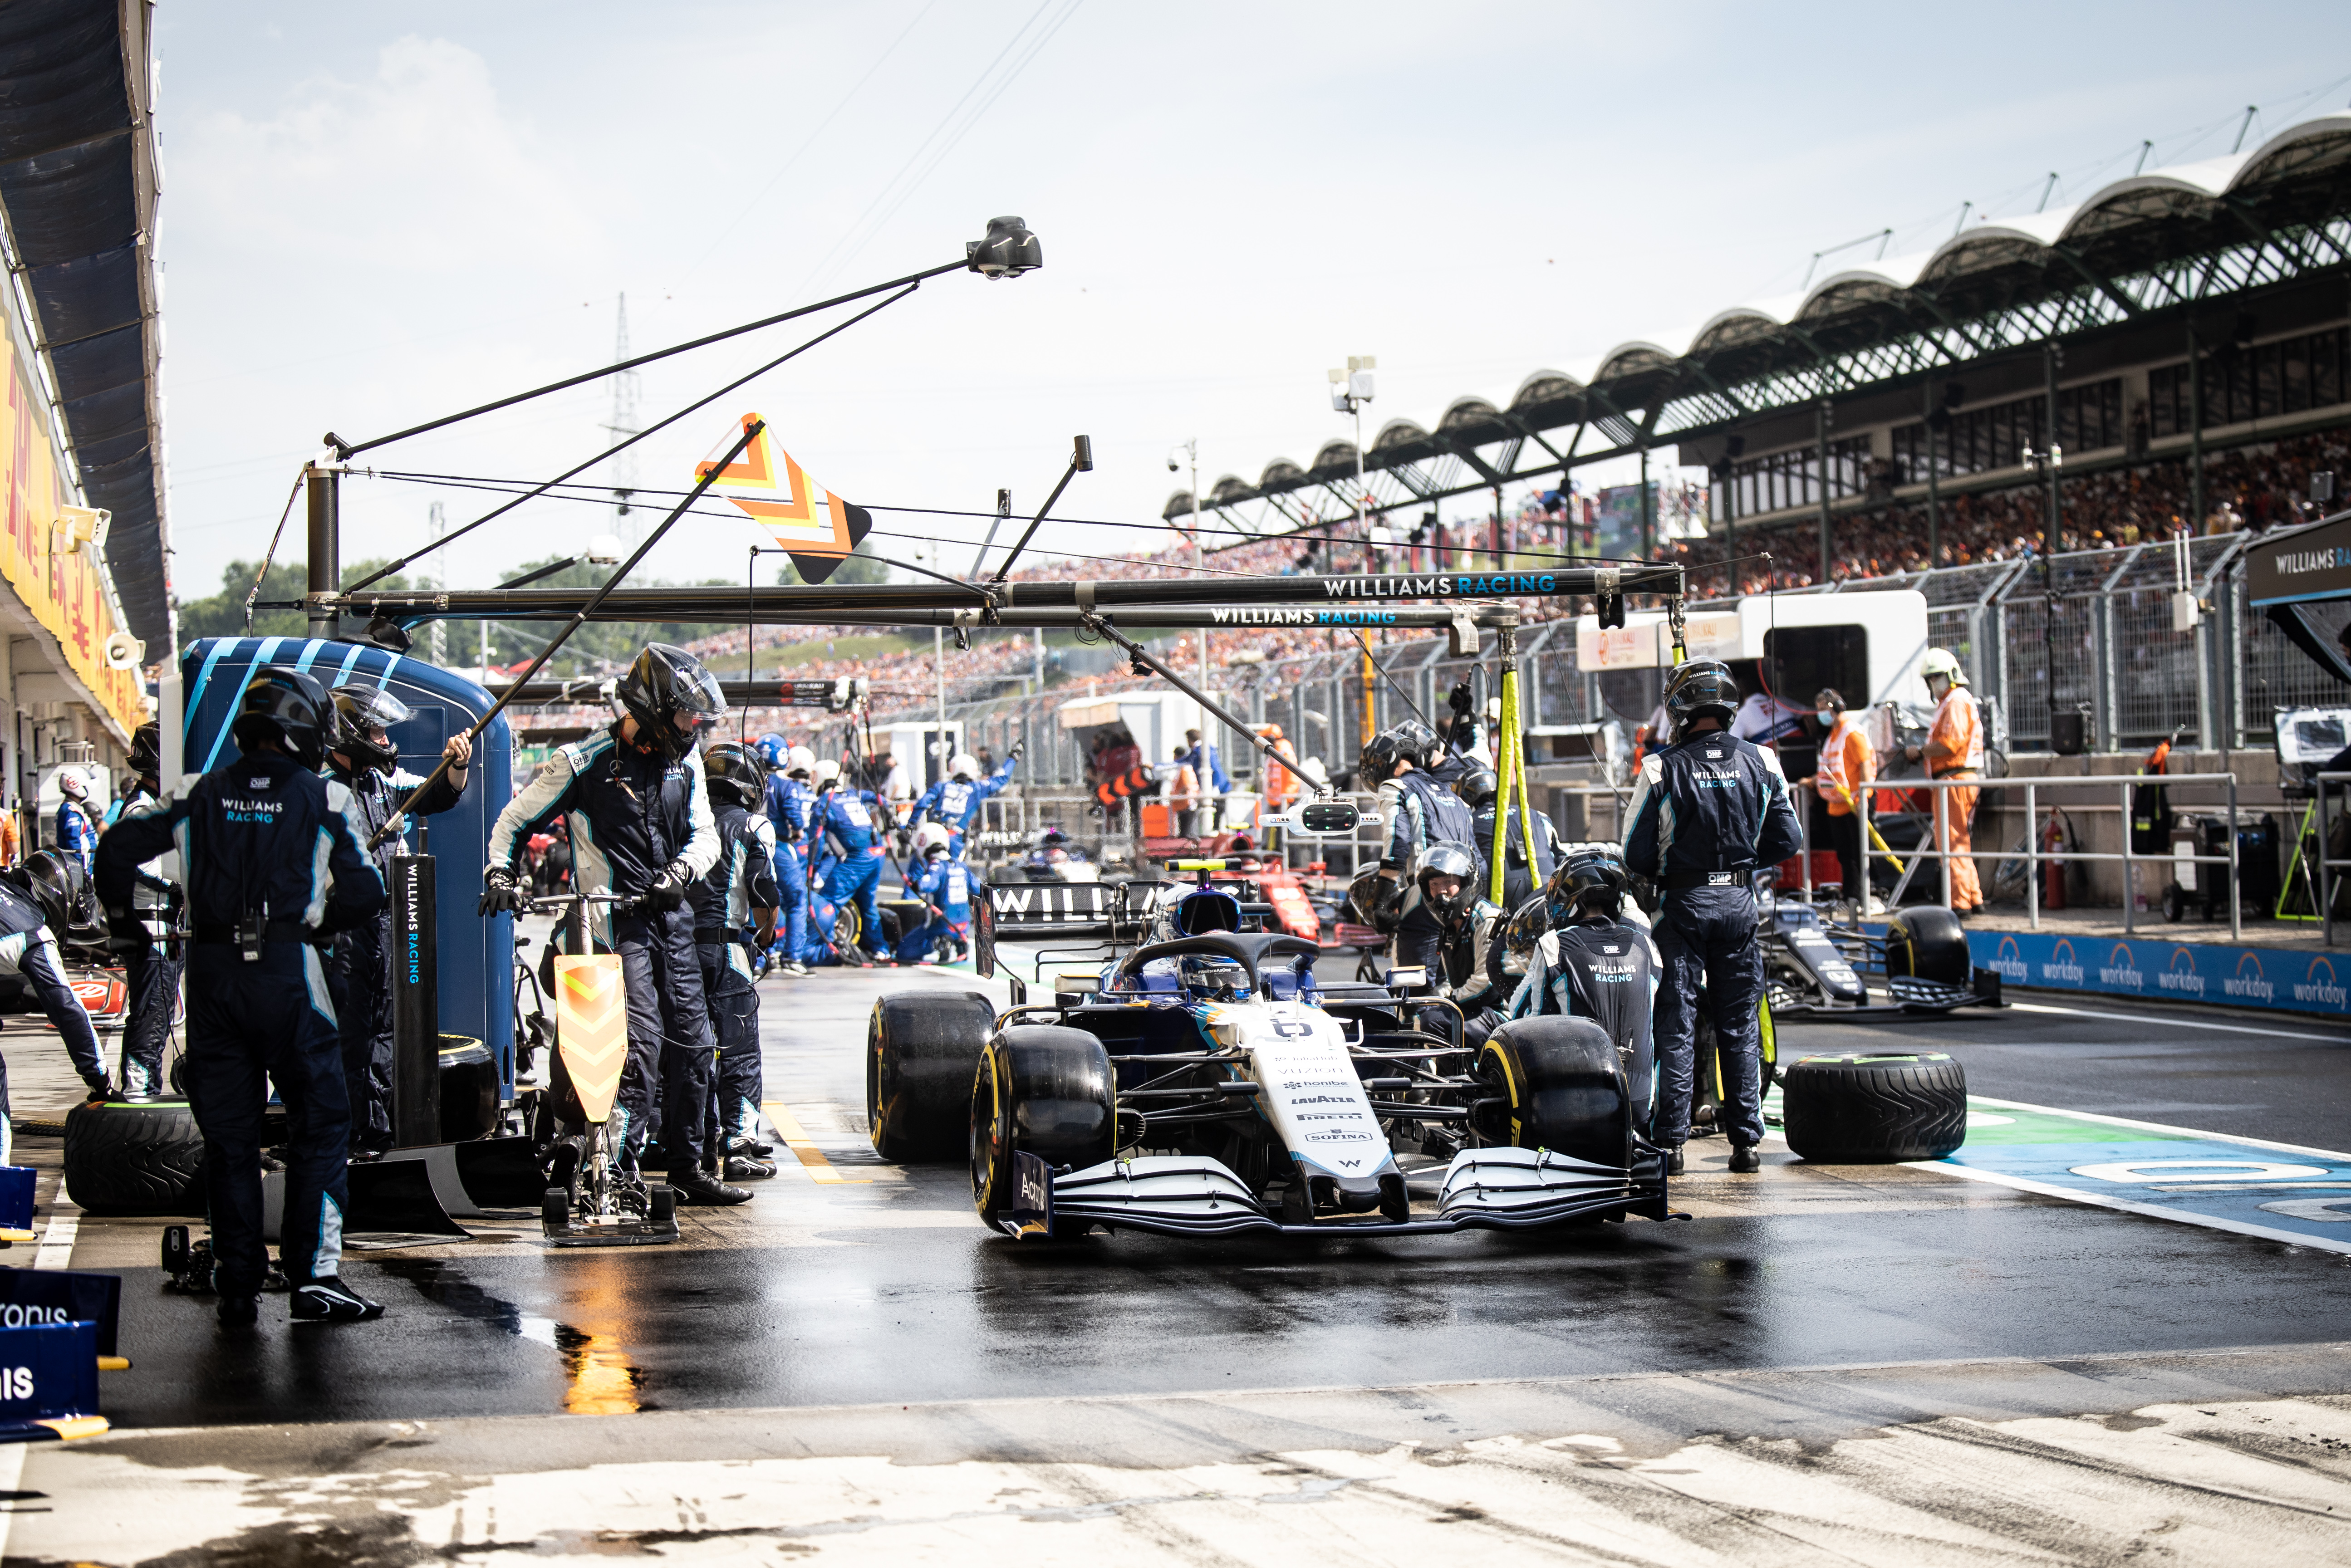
(920, 1051)
(1040, 1090)
(1554, 1082)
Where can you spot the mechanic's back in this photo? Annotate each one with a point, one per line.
(1709, 810)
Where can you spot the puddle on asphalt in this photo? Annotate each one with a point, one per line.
(601, 1379)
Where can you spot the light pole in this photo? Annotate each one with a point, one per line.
(1191, 451)
(1351, 389)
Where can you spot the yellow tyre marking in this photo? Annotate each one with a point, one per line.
(804, 1147)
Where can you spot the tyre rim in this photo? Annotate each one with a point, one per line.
(987, 1136)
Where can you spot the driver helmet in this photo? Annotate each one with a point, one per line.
(1698, 688)
(1478, 787)
(931, 840)
(1218, 980)
(962, 767)
(799, 762)
(672, 696)
(826, 774)
(285, 705)
(1207, 909)
(1591, 881)
(1446, 858)
(364, 715)
(732, 775)
(1944, 663)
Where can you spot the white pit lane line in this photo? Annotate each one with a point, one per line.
(2181, 1023)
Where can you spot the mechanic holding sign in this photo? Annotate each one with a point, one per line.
(1708, 811)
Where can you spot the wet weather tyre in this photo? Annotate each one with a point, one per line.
(921, 1050)
(1927, 941)
(135, 1159)
(1555, 1083)
(1042, 1090)
(1859, 1110)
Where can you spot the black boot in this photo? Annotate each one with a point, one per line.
(239, 1312)
(1744, 1160)
(695, 1184)
(1674, 1161)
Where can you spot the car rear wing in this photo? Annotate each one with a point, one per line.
(1072, 911)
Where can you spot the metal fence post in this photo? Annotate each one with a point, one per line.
(2236, 915)
(2130, 868)
(2032, 858)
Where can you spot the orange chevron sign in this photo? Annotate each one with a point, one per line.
(816, 528)
(591, 1029)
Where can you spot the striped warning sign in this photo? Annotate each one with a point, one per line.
(591, 1027)
(816, 528)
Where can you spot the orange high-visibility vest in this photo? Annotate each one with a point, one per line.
(1847, 760)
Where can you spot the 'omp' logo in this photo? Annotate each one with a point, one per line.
(2320, 985)
(2121, 969)
(2180, 978)
(2061, 964)
(2010, 962)
(2255, 986)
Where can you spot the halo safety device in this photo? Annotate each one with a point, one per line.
(671, 696)
(361, 713)
(732, 775)
(285, 705)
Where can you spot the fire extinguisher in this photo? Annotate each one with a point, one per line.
(2053, 872)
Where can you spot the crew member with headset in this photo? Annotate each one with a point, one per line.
(1597, 961)
(1445, 878)
(276, 863)
(1954, 749)
(954, 801)
(790, 805)
(362, 758)
(75, 836)
(153, 968)
(1422, 812)
(944, 884)
(847, 819)
(735, 905)
(641, 824)
(1708, 809)
(1847, 761)
(1519, 878)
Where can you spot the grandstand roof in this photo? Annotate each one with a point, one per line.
(2153, 244)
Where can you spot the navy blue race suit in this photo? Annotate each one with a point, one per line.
(1705, 814)
(275, 861)
(359, 968)
(1422, 812)
(29, 949)
(1519, 883)
(1607, 971)
(150, 971)
(631, 812)
(742, 880)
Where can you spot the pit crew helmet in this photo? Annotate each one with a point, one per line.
(147, 748)
(1446, 858)
(1525, 927)
(671, 696)
(772, 750)
(1699, 688)
(799, 762)
(1944, 663)
(1376, 900)
(57, 885)
(963, 765)
(733, 774)
(285, 705)
(931, 838)
(1478, 787)
(1590, 882)
(364, 711)
(71, 786)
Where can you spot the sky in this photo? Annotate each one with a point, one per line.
(372, 216)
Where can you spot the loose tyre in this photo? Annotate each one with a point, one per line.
(135, 1159)
(921, 1050)
(1859, 1110)
(1040, 1090)
(1556, 1083)
(1928, 942)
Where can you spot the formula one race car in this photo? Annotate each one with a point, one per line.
(1198, 1080)
(1054, 856)
(1815, 967)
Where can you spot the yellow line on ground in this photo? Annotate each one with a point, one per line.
(796, 1138)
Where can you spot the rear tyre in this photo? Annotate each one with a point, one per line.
(1928, 942)
(1559, 1086)
(135, 1159)
(2175, 903)
(1040, 1090)
(1858, 1110)
(920, 1053)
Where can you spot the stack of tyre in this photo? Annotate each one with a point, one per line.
(1859, 1108)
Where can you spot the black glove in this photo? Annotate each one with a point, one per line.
(668, 891)
(1460, 700)
(1014, 754)
(500, 893)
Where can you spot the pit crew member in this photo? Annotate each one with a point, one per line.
(955, 800)
(1422, 812)
(1596, 962)
(75, 836)
(791, 807)
(29, 921)
(1847, 760)
(944, 884)
(733, 905)
(846, 819)
(151, 967)
(1954, 749)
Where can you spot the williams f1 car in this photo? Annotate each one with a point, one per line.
(1198, 1079)
(1815, 967)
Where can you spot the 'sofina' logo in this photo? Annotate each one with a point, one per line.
(2180, 978)
(2256, 984)
(2320, 985)
(2121, 969)
(2061, 964)
(2010, 962)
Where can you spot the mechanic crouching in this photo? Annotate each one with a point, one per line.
(641, 824)
(944, 884)
(1593, 962)
(1707, 810)
(1444, 878)
(276, 861)
(736, 904)
(29, 949)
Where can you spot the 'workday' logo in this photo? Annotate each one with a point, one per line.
(2255, 986)
(2321, 986)
(2121, 969)
(2009, 961)
(2062, 965)
(2180, 978)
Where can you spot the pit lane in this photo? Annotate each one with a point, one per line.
(857, 1310)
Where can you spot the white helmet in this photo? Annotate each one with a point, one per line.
(930, 836)
(963, 765)
(826, 771)
(1942, 662)
(799, 762)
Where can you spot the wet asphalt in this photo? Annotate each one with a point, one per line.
(880, 1287)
